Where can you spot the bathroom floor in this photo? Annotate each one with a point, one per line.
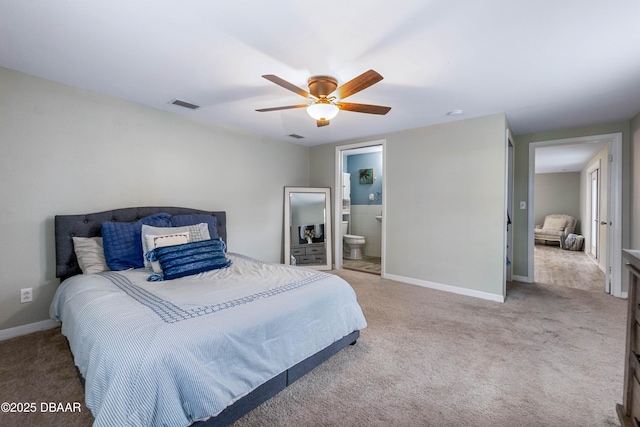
(368, 264)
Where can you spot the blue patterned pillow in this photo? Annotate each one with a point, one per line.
(190, 258)
(122, 241)
(193, 219)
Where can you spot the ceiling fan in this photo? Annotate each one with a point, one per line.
(326, 97)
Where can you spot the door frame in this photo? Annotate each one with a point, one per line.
(509, 205)
(594, 167)
(337, 199)
(614, 206)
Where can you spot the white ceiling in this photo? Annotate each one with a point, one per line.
(548, 64)
(566, 158)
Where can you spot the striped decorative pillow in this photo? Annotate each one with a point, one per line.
(190, 258)
(152, 241)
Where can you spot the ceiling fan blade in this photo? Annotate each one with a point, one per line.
(322, 123)
(357, 84)
(290, 86)
(363, 108)
(288, 107)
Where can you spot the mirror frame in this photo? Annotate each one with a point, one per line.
(327, 225)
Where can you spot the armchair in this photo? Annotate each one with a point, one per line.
(556, 228)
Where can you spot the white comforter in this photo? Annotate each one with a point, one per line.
(171, 353)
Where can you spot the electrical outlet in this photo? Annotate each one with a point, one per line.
(26, 295)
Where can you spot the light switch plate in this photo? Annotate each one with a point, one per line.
(523, 204)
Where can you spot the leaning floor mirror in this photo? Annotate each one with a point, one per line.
(307, 227)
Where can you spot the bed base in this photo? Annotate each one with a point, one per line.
(272, 387)
(275, 385)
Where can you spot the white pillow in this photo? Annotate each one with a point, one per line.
(196, 232)
(162, 240)
(90, 254)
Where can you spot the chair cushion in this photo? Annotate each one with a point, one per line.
(554, 223)
(548, 233)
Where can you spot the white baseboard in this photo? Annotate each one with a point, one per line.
(18, 331)
(524, 279)
(446, 288)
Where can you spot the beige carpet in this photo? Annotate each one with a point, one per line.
(574, 269)
(39, 368)
(548, 356)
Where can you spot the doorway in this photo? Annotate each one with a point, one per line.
(359, 202)
(605, 234)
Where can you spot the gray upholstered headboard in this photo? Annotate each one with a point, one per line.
(90, 225)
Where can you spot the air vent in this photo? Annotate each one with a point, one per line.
(184, 104)
(296, 136)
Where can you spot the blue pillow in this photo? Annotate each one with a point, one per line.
(193, 219)
(122, 241)
(190, 258)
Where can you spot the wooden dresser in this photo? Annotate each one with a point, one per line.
(311, 253)
(629, 410)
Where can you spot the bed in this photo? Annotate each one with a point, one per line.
(202, 349)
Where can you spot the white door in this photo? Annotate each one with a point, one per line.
(595, 208)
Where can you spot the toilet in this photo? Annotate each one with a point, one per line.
(352, 244)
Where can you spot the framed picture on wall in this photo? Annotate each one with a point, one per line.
(366, 176)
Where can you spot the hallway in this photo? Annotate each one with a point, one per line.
(573, 269)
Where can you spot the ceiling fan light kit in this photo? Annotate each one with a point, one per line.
(323, 110)
(324, 94)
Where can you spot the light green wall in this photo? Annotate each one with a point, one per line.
(635, 183)
(445, 201)
(557, 193)
(520, 258)
(64, 151)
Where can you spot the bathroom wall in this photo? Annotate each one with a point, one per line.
(364, 210)
(360, 192)
(364, 223)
